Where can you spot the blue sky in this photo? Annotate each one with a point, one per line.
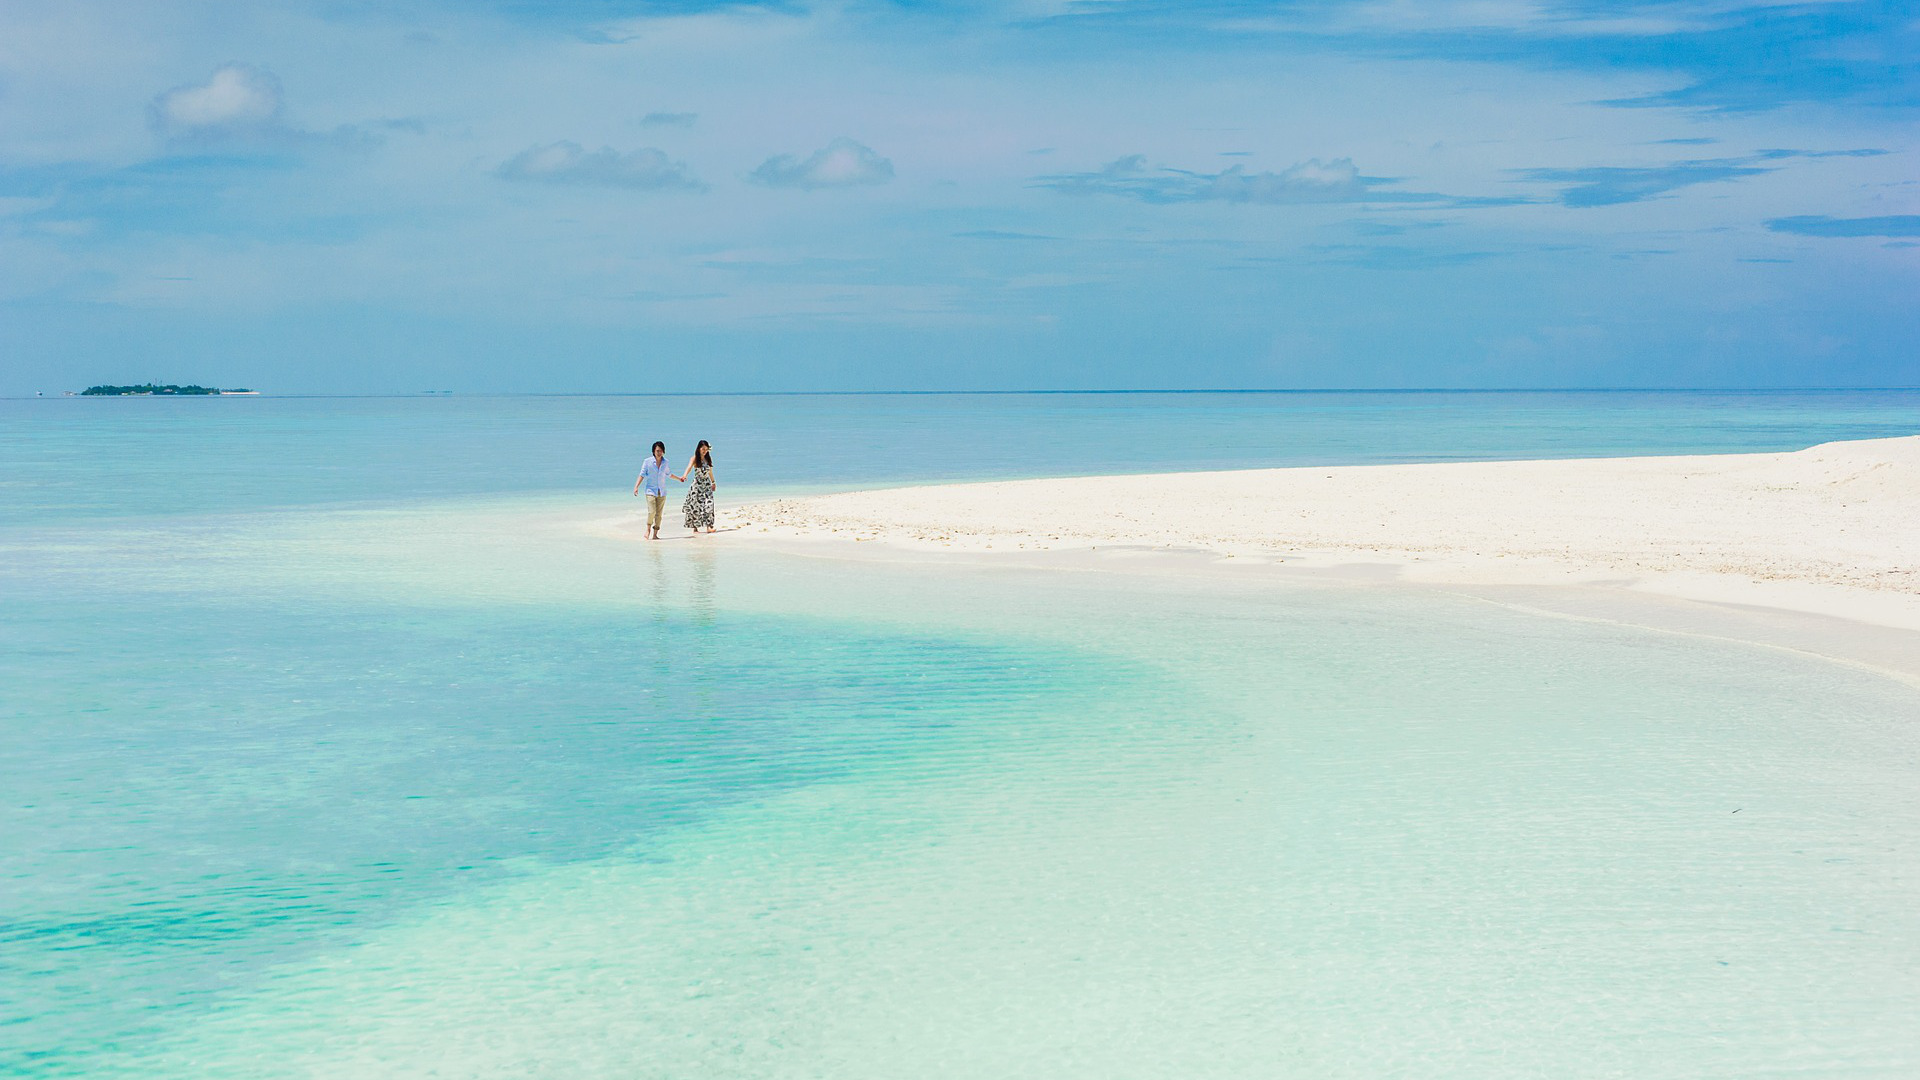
(596, 195)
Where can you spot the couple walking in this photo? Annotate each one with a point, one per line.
(698, 507)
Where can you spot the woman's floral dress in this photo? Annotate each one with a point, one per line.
(698, 507)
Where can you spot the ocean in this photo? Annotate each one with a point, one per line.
(342, 738)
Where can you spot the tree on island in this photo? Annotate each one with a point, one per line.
(157, 390)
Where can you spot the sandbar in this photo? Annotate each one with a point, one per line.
(1832, 531)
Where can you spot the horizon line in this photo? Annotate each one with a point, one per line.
(63, 395)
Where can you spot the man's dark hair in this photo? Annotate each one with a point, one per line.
(660, 446)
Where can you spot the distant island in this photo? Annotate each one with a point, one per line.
(157, 390)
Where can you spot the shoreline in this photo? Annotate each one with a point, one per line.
(1816, 551)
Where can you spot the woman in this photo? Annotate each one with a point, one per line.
(698, 507)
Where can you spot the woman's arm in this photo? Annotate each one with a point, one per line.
(636, 483)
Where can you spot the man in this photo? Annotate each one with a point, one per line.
(653, 476)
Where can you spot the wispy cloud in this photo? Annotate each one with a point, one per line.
(841, 163)
(1310, 181)
(1393, 257)
(1608, 185)
(1778, 155)
(1820, 225)
(18, 205)
(570, 163)
(1734, 55)
(669, 119)
(1528, 17)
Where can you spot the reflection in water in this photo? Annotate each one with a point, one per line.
(702, 654)
(700, 588)
(681, 586)
(656, 581)
(663, 563)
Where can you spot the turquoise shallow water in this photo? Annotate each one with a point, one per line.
(403, 785)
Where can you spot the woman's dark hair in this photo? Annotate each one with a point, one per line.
(703, 454)
(660, 446)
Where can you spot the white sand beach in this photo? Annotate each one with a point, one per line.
(1833, 529)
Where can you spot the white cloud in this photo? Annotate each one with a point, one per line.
(239, 108)
(841, 163)
(237, 100)
(570, 163)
